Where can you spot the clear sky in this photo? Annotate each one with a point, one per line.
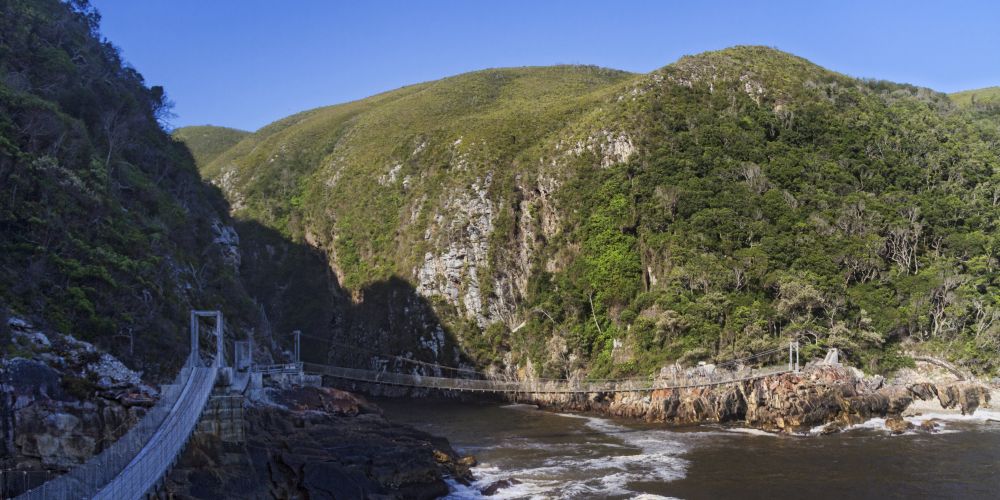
(246, 63)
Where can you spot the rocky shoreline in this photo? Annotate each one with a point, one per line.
(317, 442)
(831, 396)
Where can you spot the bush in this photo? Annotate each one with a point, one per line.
(78, 387)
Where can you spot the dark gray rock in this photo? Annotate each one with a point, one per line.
(317, 443)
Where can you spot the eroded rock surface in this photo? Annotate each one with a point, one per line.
(62, 401)
(836, 396)
(317, 443)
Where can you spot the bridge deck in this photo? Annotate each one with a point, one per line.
(542, 386)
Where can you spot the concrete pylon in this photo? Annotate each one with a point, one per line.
(220, 350)
(832, 357)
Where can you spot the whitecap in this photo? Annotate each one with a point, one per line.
(979, 416)
(638, 455)
(752, 431)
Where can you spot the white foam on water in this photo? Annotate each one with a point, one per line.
(979, 416)
(752, 432)
(645, 455)
(872, 424)
(520, 406)
(817, 430)
(574, 415)
(878, 424)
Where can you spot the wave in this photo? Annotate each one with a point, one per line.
(637, 455)
(979, 416)
(753, 432)
(943, 419)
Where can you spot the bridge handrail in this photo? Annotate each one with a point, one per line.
(178, 401)
(157, 457)
(567, 386)
(278, 368)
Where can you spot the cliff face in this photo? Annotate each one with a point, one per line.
(713, 206)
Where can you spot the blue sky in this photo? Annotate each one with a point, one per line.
(247, 63)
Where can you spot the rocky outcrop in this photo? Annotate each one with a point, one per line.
(967, 396)
(317, 443)
(228, 241)
(792, 402)
(463, 229)
(62, 401)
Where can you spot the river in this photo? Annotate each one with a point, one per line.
(582, 456)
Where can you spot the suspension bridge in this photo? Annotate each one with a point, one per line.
(704, 376)
(136, 465)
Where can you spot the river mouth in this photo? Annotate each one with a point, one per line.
(555, 455)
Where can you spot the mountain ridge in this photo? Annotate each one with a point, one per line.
(628, 207)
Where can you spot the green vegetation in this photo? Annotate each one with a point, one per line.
(291, 175)
(566, 219)
(979, 98)
(764, 199)
(105, 225)
(207, 142)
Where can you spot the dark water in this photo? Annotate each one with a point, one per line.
(581, 456)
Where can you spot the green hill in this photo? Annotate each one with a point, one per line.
(725, 203)
(989, 96)
(206, 142)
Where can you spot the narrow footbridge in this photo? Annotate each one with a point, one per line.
(135, 464)
(732, 371)
(545, 386)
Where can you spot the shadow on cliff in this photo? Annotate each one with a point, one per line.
(296, 289)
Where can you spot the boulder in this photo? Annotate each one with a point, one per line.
(923, 391)
(968, 396)
(495, 487)
(897, 425)
(929, 425)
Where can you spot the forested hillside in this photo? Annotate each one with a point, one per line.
(576, 218)
(107, 231)
(207, 142)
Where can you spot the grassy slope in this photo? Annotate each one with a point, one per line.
(985, 96)
(283, 169)
(206, 142)
(763, 202)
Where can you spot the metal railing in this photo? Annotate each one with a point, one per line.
(279, 368)
(133, 465)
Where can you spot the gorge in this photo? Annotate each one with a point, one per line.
(564, 225)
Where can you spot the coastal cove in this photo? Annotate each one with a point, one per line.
(524, 452)
(561, 251)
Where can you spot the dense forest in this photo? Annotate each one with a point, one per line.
(576, 218)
